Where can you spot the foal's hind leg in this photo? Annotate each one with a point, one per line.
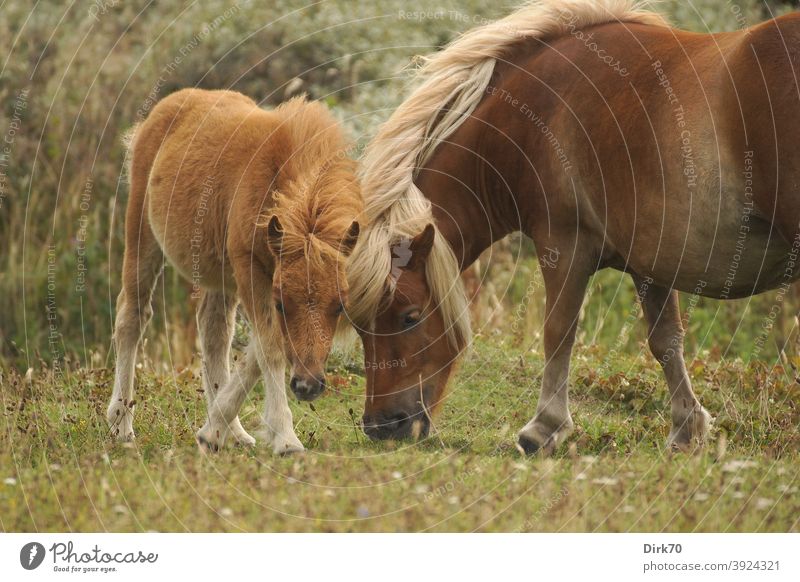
(216, 317)
(690, 421)
(565, 286)
(141, 266)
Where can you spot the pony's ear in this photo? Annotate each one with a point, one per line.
(275, 235)
(420, 247)
(350, 239)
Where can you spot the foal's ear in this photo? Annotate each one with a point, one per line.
(350, 239)
(420, 247)
(275, 235)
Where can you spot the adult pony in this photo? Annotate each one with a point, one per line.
(249, 205)
(612, 140)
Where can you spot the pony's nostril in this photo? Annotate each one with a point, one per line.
(307, 388)
(395, 425)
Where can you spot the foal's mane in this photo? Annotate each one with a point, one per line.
(319, 196)
(453, 82)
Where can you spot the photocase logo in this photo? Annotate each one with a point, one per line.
(31, 555)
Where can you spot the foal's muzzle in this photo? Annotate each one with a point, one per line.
(396, 425)
(307, 388)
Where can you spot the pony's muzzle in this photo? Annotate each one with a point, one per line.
(399, 425)
(307, 387)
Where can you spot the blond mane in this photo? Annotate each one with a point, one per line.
(395, 209)
(319, 195)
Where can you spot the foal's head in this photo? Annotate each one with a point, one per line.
(409, 349)
(309, 294)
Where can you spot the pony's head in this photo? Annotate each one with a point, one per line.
(311, 233)
(410, 347)
(309, 292)
(410, 309)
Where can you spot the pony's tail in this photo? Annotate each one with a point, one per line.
(128, 140)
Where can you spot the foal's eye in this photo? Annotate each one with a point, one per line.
(410, 319)
(279, 307)
(339, 309)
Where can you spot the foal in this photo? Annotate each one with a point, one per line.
(249, 205)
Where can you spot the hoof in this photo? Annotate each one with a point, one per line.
(210, 440)
(244, 441)
(120, 422)
(124, 436)
(692, 432)
(527, 446)
(536, 437)
(241, 436)
(287, 446)
(206, 447)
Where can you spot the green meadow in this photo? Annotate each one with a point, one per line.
(60, 469)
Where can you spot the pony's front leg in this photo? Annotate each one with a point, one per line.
(565, 286)
(278, 422)
(690, 421)
(264, 352)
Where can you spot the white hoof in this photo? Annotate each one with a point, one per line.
(211, 439)
(120, 421)
(241, 436)
(287, 444)
(690, 431)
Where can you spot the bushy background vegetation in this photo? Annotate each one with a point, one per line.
(74, 78)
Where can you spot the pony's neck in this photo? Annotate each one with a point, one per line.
(467, 206)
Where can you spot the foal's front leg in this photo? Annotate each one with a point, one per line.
(690, 421)
(565, 286)
(255, 284)
(264, 352)
(278, 423)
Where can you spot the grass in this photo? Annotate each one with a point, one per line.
(60, 471)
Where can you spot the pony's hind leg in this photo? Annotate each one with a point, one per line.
(690, 421)
(565, 286)
(216, 317)
(141, 267)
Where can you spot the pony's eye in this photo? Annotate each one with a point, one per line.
(279, 307)
(410, 319)
(339, 309)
